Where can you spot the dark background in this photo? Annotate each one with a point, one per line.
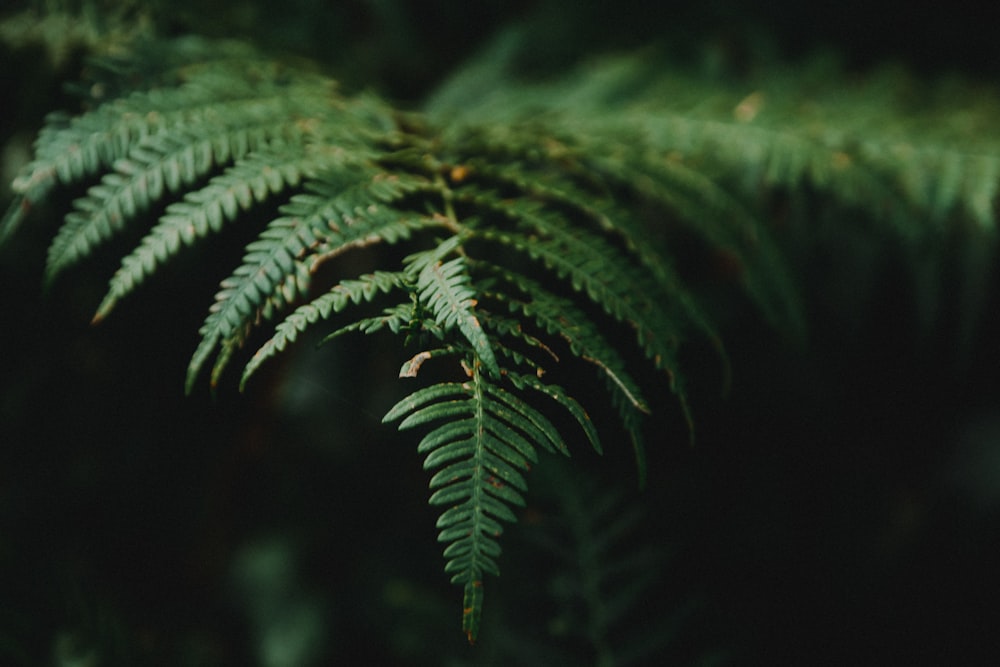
(840, 505)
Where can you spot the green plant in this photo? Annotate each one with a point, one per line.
(538, 224)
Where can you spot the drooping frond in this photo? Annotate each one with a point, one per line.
(560, 317)
(487, 442)
(157, 166)
(339, 297)
(591, 266)
(254, 179)
(240, 92)
(348, 207)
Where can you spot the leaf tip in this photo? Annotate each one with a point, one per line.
(472, 609)
(18, 210)
(103, 311)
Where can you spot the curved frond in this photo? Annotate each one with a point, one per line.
(345, 208)
(486, 443)
(157, 166)
(70, 149)
(723, 221)
(590, 265)
(250, 181)
(164, 163)
(560, 396)
(340, 296)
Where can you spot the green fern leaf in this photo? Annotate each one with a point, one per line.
(560, 396)
(164, 164)
(70, 149)
(340, 296)
(488, 438)
(401, 318)
(351, 208)
(568, 183)
(591, 267)
(248, 182)
(155, 166)
(655, 309)
(723, 221)
(560, 316)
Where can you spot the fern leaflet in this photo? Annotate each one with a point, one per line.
(446, 291)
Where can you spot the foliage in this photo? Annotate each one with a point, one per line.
(538, 223)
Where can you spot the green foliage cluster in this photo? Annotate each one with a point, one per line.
(536, 222)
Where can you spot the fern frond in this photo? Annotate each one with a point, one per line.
(69, 149)
(901, 156)
(567, 181)
(942, 180)
(252, 180)
(160, 165)
(340, 296)
(720, 219)
(164, 163)
(560, 396)
(214, 135)
(488, 440)
(587, 174)
(350, 208)
(591, 267)
(559, 316)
